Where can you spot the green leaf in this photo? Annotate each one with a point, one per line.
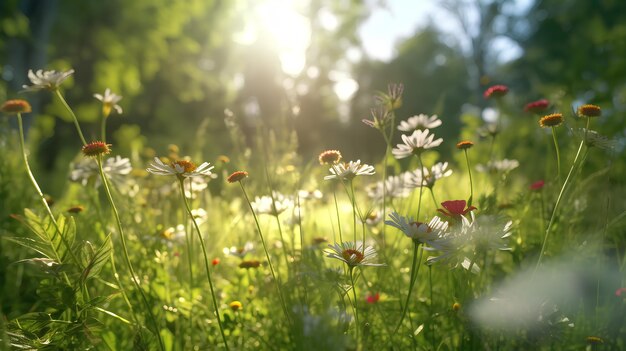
(95, 260)
(33, 244)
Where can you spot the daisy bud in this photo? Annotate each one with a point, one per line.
(589, 110)
(237, 176)
(464, 145)
(330, 157)
(96, 148)
(15, 106)
(235, 306)
(553, 120)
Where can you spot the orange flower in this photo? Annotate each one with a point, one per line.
(15, 106)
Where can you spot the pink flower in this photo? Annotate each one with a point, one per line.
(372, 299)
(455, 209)
(620, 291)
(536, 186)
(537, 106)
(496, 91)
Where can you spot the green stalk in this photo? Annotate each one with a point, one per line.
(432, 194)
(354, 211)
(337, 211)
(267, 255)
(559, 198)
(419, 202)
(67, 107)
(469, 170)
(558, 155)
(103, 128)
(33, 181)
(188, 240)
(356, 309)
(118, 221)
(206, 262)
(414, 271)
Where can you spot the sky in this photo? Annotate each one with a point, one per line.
(387, 25)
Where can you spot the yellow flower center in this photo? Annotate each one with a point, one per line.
(349, 253)
(187, 166)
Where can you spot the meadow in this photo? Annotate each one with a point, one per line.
(514, 243)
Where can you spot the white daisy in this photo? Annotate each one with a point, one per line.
(49, 80)
(181, 169)
(415, 144)
(86, 171)
(109, 101)
(353, 254)
(420, 122)
(272, 205)
(347, 171)
(421, 232)
(394, 187)
(501, 166)
(427, 178)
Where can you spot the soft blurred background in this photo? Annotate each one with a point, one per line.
(312, 65)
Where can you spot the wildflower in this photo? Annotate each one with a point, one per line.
(418, 231)
(235, 306)
(372, 299)
(239, 251)
(237, 176)
(537, 106)
(96, 148)
(594, 340)
(181, 169)
(552, 120)
(589, 110)
(415, 144)
(249, 264)
(455, 209)
(49, 80)
(373, 217)
(76, 209)
(595, 139)
(86, 171)
(427, 178)
(109, 101)
(393, 187)
(380, 118)
(330, 157)
(456, 306)
(489, 130)
(464, 145)
(272, 205)
(419, 122)
(496, 91)
(310, 194)
(392, 100)
(502, 166)
(347, 171)
(620, 291)
(536, 186)
(353, 254)
(486, 232)
(15, 106)
(173, 234)
(215, 262)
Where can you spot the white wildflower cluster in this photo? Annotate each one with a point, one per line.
(115, 168)
(458, 242)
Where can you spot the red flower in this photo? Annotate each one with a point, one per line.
(455, 208)
(496, 91)
(538, 185)
(215, 261)
(537, 106)
(372, 299)
(620, 291)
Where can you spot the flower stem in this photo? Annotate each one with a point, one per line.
(419, 202)
(267, 255)
(188, 241)
(469, 170)
(558, 202)
(432, 194)
(352, 200)
(103, 128)
(338, 218)
(356, 309)
(133, 276)
(558, 155)
(33, 181)
(414, 271)
(206, 262)
(75, 120)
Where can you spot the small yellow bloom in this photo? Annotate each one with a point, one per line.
(235, 306)
(464, 145)
(552, 120)
(589, 110)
